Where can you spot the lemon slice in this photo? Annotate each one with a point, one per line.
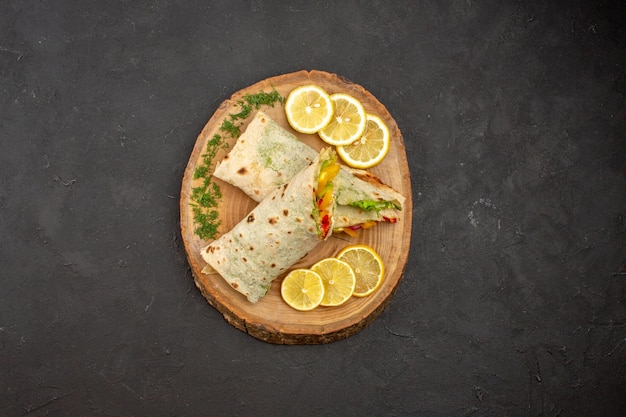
(338, 278)
(302, 289)
(308, 108)
(367, 265)
(347, 123)
(371, 148)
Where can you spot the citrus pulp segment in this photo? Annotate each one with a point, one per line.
(371, 148)
(338, 278)
(308, 108)
(302, 289)
(367, 265)
(347, 123)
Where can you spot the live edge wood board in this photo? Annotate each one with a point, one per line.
(271, 320)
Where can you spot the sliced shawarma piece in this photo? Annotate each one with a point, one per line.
(264, 157)
(267, 156)
(284, 227)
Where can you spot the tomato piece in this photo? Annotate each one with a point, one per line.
(325, 225)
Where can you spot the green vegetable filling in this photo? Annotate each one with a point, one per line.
(369, 205)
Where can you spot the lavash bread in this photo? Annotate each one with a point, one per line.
(264, 157)
(272, 237)
(267, 156)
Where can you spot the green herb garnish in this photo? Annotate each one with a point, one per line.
(255, 101)
(205, 197)
(230, 128)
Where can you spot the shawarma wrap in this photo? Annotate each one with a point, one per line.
(284, 227)
(267, 156)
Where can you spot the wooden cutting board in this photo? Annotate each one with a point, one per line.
(271, 320)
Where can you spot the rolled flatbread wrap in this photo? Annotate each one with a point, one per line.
(267, 156)
(363, 198)
(264, 157)
(283, 228)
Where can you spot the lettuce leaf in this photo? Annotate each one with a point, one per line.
(369, 205)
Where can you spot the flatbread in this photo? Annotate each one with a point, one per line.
(272, 237)
(267, 156)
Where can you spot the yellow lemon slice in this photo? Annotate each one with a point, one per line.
(367, 265)
(347, 123)
(302, 289)
(371, 148)
(308, 108)
(338, 278)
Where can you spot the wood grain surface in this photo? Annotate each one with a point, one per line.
(271, 320)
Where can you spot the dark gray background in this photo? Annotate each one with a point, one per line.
(513, 115)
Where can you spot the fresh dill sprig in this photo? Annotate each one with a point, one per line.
(251, 102)
(231, 128)
(205, 197)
